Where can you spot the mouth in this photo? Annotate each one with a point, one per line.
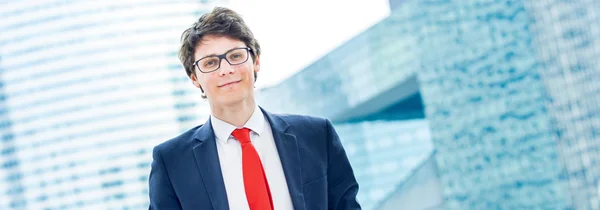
(229, 84)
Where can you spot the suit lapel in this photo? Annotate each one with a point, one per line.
(287, 146)
(207, 160)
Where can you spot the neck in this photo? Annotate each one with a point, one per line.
(236, 114)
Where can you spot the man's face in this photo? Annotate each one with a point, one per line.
(229, 84)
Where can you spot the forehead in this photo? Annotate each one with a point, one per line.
(216, 45)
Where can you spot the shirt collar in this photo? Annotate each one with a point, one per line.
(223, 129)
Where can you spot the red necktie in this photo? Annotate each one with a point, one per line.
(257, 189)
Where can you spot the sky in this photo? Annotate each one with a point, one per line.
(294, 34)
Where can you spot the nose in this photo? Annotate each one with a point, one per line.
(225, 68)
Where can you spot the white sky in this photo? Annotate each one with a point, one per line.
(294, 34)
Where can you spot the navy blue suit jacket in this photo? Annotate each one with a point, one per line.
(186, 173)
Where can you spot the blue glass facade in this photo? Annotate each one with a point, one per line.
(567, 46)
(509, 91)
(86, 90)
(8, 157)
(358, 79)
(383, 153)
(501, 91)
(486, 104)
(420, 190)
(376, 108)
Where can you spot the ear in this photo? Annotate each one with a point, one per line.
(195, 80)
(257, 64)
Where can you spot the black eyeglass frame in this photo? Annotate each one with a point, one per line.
(223, 56)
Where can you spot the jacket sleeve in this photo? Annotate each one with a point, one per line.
(162, 194)
(342, 185)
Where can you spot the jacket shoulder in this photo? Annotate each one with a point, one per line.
(178, 142)
(298, 118)
(306, 122)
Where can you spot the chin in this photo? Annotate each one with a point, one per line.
(232, 98)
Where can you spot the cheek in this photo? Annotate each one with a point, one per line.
(207, 80)
(246, 70)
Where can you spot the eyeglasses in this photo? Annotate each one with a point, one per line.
(235, 56)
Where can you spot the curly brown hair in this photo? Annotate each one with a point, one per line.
(220, 21)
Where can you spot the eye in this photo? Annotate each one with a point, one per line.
(235, 55)
(209, 63)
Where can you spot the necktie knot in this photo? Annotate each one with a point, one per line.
(242, 135)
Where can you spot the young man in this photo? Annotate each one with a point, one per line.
(244, 157)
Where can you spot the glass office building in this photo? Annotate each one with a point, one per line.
(567, 44)
(86, 89)
(383, 154)
(512, 96)
(375, 107)
(507, 91)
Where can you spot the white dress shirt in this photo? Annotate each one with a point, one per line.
(230, 158)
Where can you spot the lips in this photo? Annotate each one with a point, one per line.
(229, 83)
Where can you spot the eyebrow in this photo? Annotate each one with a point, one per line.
(213, 54)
